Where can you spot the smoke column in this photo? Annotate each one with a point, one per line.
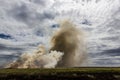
(67, 50)
(70, 41)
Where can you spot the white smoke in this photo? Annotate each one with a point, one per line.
(37, 59)
(67, 50)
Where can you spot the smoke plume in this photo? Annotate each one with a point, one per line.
(70, 41)
(67, 50)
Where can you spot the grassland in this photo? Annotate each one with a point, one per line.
(61, 74)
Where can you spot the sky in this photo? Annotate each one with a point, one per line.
(25, 24)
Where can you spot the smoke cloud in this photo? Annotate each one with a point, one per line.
(67, 50)
(70, 41)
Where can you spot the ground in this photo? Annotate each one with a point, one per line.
(61, 74)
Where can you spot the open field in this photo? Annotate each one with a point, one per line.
(61, 74)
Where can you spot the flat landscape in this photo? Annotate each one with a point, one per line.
(91, 73)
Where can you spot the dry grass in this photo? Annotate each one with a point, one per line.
(61, 74)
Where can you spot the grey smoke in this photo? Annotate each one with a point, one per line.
(67, 50)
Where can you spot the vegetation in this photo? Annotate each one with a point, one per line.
(61, 74)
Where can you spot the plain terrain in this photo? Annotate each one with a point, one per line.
(90, 73)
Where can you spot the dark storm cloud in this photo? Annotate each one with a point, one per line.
(5, 59)
(116, 20)
(97, 1)
(91, 0)
(103, 62)
(111, 52)
(48, 15)
(28, 15)
(5, 36)
(8, 56)
(112, 38)
(34, 44)
(21, 13)
(8, 48)
(55, 26)
(86, 22)
(115, 23)
(40, 2)
(39, 32)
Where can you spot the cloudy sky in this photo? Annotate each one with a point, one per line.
(25, 24)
